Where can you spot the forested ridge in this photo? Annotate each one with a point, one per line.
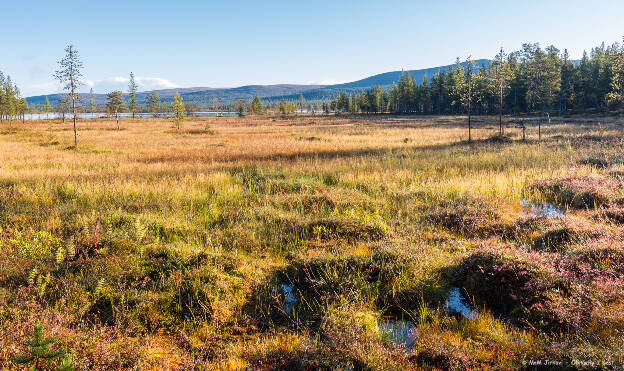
(533, 79)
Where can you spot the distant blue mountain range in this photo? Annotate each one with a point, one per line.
(205, 95)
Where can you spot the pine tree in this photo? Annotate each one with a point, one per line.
(501, 75)
(584, 86)
(10, 104)
(239, 107)
(467, 91)
(153, 102)
(22, 108)
(178, 109)
(2, 96)
(69, 76)
(553, 77)
(616, 95)
(39, 351)
(425, 96)
(456, 82)
(286, 108)
(46, 106)
(483, 92)
(132, 90)
(566, 90)
(114, 104)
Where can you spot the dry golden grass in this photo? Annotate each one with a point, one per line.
(182, 237)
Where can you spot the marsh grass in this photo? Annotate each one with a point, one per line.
(148, 247)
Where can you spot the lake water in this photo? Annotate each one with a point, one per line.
(68, 116)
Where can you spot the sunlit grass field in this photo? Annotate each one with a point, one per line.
(305, 242)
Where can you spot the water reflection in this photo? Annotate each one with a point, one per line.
(399, 332)
(289, 297)
(542, 209)
(455, 304)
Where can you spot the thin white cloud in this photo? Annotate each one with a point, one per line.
(158, 81)
(105, 85)
(42, 89)
(121, 83)
(327, 82)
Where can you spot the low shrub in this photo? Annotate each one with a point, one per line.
(579, 192)
(465, 215)
(614, 214)
(541, 290)
(565, 232)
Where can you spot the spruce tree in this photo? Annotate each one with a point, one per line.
(256, 106)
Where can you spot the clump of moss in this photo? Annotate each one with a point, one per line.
(562, 234)
(466, 215)
(499, 139)
(293, 228)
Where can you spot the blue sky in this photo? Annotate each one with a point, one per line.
(232, 43)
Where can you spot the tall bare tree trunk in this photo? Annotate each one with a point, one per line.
(523, 131)
(500, 111)
(75, 131)
(539, 130)
(469, 129)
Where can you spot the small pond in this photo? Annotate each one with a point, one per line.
(456, 304)
(290, 300)
(398, 332)
(542, 209)
(403, 332)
